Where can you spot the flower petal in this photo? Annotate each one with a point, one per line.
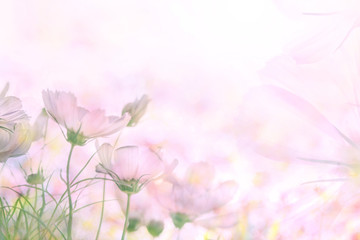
(150, 165)
(105, 153)
(126, 162)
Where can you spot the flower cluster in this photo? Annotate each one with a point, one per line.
(139, 172)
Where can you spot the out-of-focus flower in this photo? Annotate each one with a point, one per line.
(131, 167)
(196, 195)
(315, 140)
(10, 110)
(15, 130)
(15, 143)
(80, 123)
(17, 140)
(144, 210)
(136, 109)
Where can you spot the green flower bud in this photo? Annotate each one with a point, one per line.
(179, 219)
(134, 224)
(136, 109)
(155, 228)
(35, 178)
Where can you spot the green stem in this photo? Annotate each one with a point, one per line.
(35, 206)
(126, 216)
(102, 210)
(43, 200)
(69, 227)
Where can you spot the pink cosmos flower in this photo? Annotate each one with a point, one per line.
(195, 196)
(131, 167)
(324, 150)
(80, 123)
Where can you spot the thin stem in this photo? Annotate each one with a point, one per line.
(126, 216)
(68, 185)
(35, 206)
(43, 201)
(82, 169)
(102, 210)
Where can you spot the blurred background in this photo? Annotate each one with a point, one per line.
(196, 60)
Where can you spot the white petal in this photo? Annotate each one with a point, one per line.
(38, 128)
(5, 136)
(4, 91)
(21, 140)
(105, 153)
(10, 109)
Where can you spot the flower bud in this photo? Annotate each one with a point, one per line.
(35, 178)
(155, 228)
(134, 224)
(179, 219)
(136, 109)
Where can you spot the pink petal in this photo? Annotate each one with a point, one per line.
(63, 108)
(200, 173)
(307, 110)
(150, 164)
(222, 194)
(126, 162)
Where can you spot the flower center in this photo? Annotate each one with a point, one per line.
(75, 138)
(129, 186)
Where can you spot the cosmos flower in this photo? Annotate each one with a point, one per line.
(325, 151)
(80, 123)
(131, 167)
(10, 110)
(196, 195)
(15, 130)
(15, 143)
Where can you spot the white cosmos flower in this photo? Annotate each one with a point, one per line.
(80, 123)
(16, 142)
(15, 130)
(10, 110)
